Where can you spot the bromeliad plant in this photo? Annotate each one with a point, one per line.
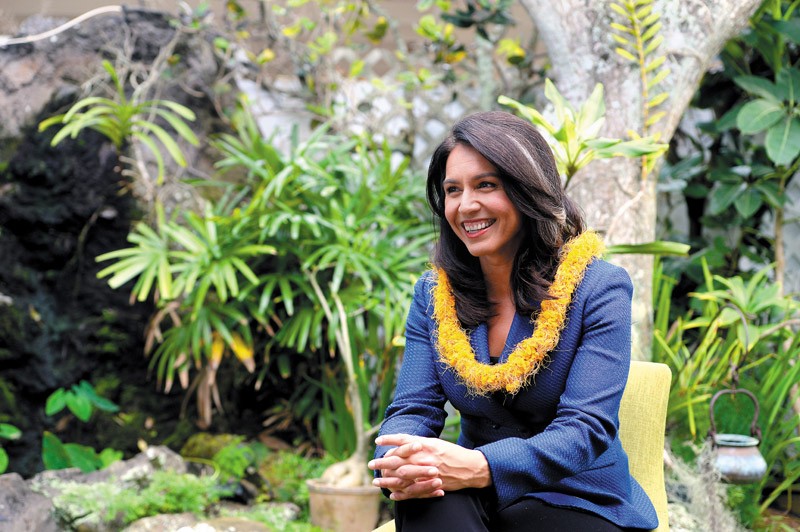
(315, 252)
(574, 136)
(575, 141)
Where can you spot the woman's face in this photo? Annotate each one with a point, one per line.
(477, 208)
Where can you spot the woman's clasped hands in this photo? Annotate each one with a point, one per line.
(418, 467)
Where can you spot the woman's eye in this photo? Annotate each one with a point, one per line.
(486, 184)
(451, 189)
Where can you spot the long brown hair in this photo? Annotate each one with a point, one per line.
(526, 166)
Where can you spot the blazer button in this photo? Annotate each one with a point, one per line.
(495, 426)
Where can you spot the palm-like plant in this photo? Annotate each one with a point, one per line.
(316, 251)
(123, 119)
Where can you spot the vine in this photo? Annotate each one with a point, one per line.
(639, 38)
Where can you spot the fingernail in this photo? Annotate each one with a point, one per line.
(376, 482)
(371, 464)
(378, 440)
(432, 471)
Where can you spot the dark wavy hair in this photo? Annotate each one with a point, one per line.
(526, 166)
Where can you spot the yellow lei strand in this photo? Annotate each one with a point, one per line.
(529, 355)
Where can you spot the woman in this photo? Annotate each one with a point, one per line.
(526, 332)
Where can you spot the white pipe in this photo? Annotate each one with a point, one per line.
(5, 41)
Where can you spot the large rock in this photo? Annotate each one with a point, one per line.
(22, 509)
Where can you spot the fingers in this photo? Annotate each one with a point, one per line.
(419, 490)
(409, 473)
(395, 439)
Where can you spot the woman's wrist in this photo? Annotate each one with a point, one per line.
(482, 477)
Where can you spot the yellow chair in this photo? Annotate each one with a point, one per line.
(642, 420)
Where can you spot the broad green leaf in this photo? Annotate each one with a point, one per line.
(728, 120)
(528, 113)
(723, 195)
(82, 457)
(590, 116)
(770, 194)
(788, 84)
(748, 202)
(758, 86)
(9, 432)
(54, 455)
(79, 405)
(104, 404)
(109, 456)
(56, 402)
(758, 115)
(783, 141)
(789, 29)
(3, 460)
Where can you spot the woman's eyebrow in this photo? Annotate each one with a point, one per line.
(473, 178)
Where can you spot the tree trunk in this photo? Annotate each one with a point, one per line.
(616, 200)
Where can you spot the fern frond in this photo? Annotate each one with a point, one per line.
(626, 54)
(655, 63)
(651, 31)
(658, 78)
(655, 43)
(620, 27)
(638, 33)
(657, 100)
(619, 9)
(655, 118)
(622, 40)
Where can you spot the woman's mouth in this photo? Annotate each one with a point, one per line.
(473, 228)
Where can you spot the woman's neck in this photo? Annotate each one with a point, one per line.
(497, 275)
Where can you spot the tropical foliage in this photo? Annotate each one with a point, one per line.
(123, 119)
(737, 334)
(315, 252)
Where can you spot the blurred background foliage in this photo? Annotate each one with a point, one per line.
(235, 291)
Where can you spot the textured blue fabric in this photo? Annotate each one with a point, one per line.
(556, 439)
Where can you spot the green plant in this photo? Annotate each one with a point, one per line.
(317, 249)
(81, 399)
(575, 143)
(574, 137)
(286, 473)
(738, 333)
(736, 166)
(118, 504)
(124, 118)
(59, 455)
(7, 432)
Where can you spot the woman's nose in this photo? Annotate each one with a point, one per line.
(469, 203)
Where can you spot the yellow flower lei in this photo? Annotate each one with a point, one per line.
(529, 355)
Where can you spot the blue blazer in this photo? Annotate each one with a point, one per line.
(555, 440)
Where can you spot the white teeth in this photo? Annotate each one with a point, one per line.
(477, 226)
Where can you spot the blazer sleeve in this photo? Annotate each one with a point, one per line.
(418, 405)
(587, 415)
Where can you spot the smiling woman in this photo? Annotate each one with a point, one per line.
(518, 286)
